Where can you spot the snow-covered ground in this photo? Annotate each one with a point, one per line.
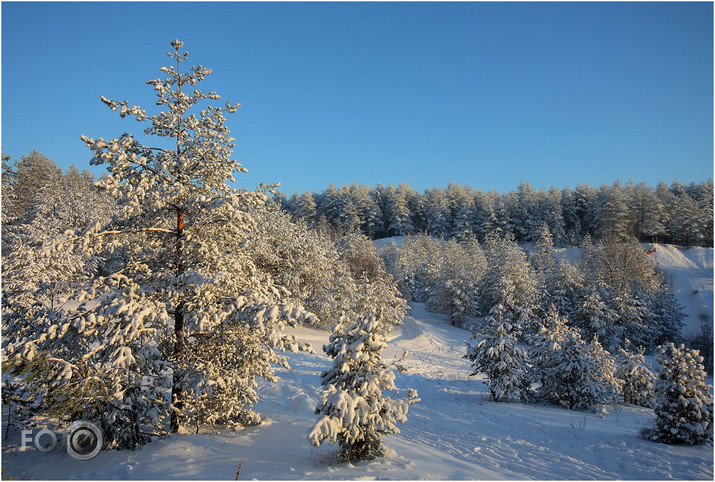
(689, 270)
(455, 432)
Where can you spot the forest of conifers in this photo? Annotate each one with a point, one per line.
(677, 214)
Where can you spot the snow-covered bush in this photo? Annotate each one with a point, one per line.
(569, 371)
(635, 377)
(495, 353)
(684, 405)
(355, 410)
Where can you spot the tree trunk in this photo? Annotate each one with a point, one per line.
(177, 394)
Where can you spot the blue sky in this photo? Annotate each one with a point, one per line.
(485, 94)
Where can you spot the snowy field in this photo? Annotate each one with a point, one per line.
(455, 432)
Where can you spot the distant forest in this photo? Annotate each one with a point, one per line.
(676, 214)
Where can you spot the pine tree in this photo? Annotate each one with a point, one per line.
(684, 406)
(646, 211)
(666, 324)
(509, 282)
(376, 289)
(563, 287)
(355, 412)
(544, 264)
(593, 314)
(495, 353)
(612, 212)
(484, 220)
(552, 215)
(634, 376)
(399, 212)
(455, 290)
(418, 267)
(439, 222)
(526, 217)
(571, 221)
(304, 261)
(188, 313)
(305, 208)
(570, 371)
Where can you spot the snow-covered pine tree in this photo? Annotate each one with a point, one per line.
(646, 212)
(563, 287)
(526, 219)
(612, 213)
(398, 215)
(494, 352)
(552, 214)
(188, 312)
(569, 371)
(454, 292)
(438, 213)
(464, 214)
(668, 315)
(355, 410)
(542, 257)
(376, 289)
(304, 261)
(417, 267)
(484, 219)
(509, 282)
(684, 403)
(305, 208)
(635, 376)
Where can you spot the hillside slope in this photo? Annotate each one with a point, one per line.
(689, 270)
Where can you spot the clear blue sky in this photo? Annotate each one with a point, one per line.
(485, 94)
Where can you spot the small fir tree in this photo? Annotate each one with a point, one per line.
(455, 290)
(635, 377)
(495, 353)
(571, 372)
(355, 411)
(684, 406)
(509, 281)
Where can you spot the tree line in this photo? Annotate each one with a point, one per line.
(678, 214)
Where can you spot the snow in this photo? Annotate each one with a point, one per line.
(455, 432)
(690, 273)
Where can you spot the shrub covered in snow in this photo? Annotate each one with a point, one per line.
(634, 377)
(570, 371)
(355, 411)
(495, 353)
(684, 407)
